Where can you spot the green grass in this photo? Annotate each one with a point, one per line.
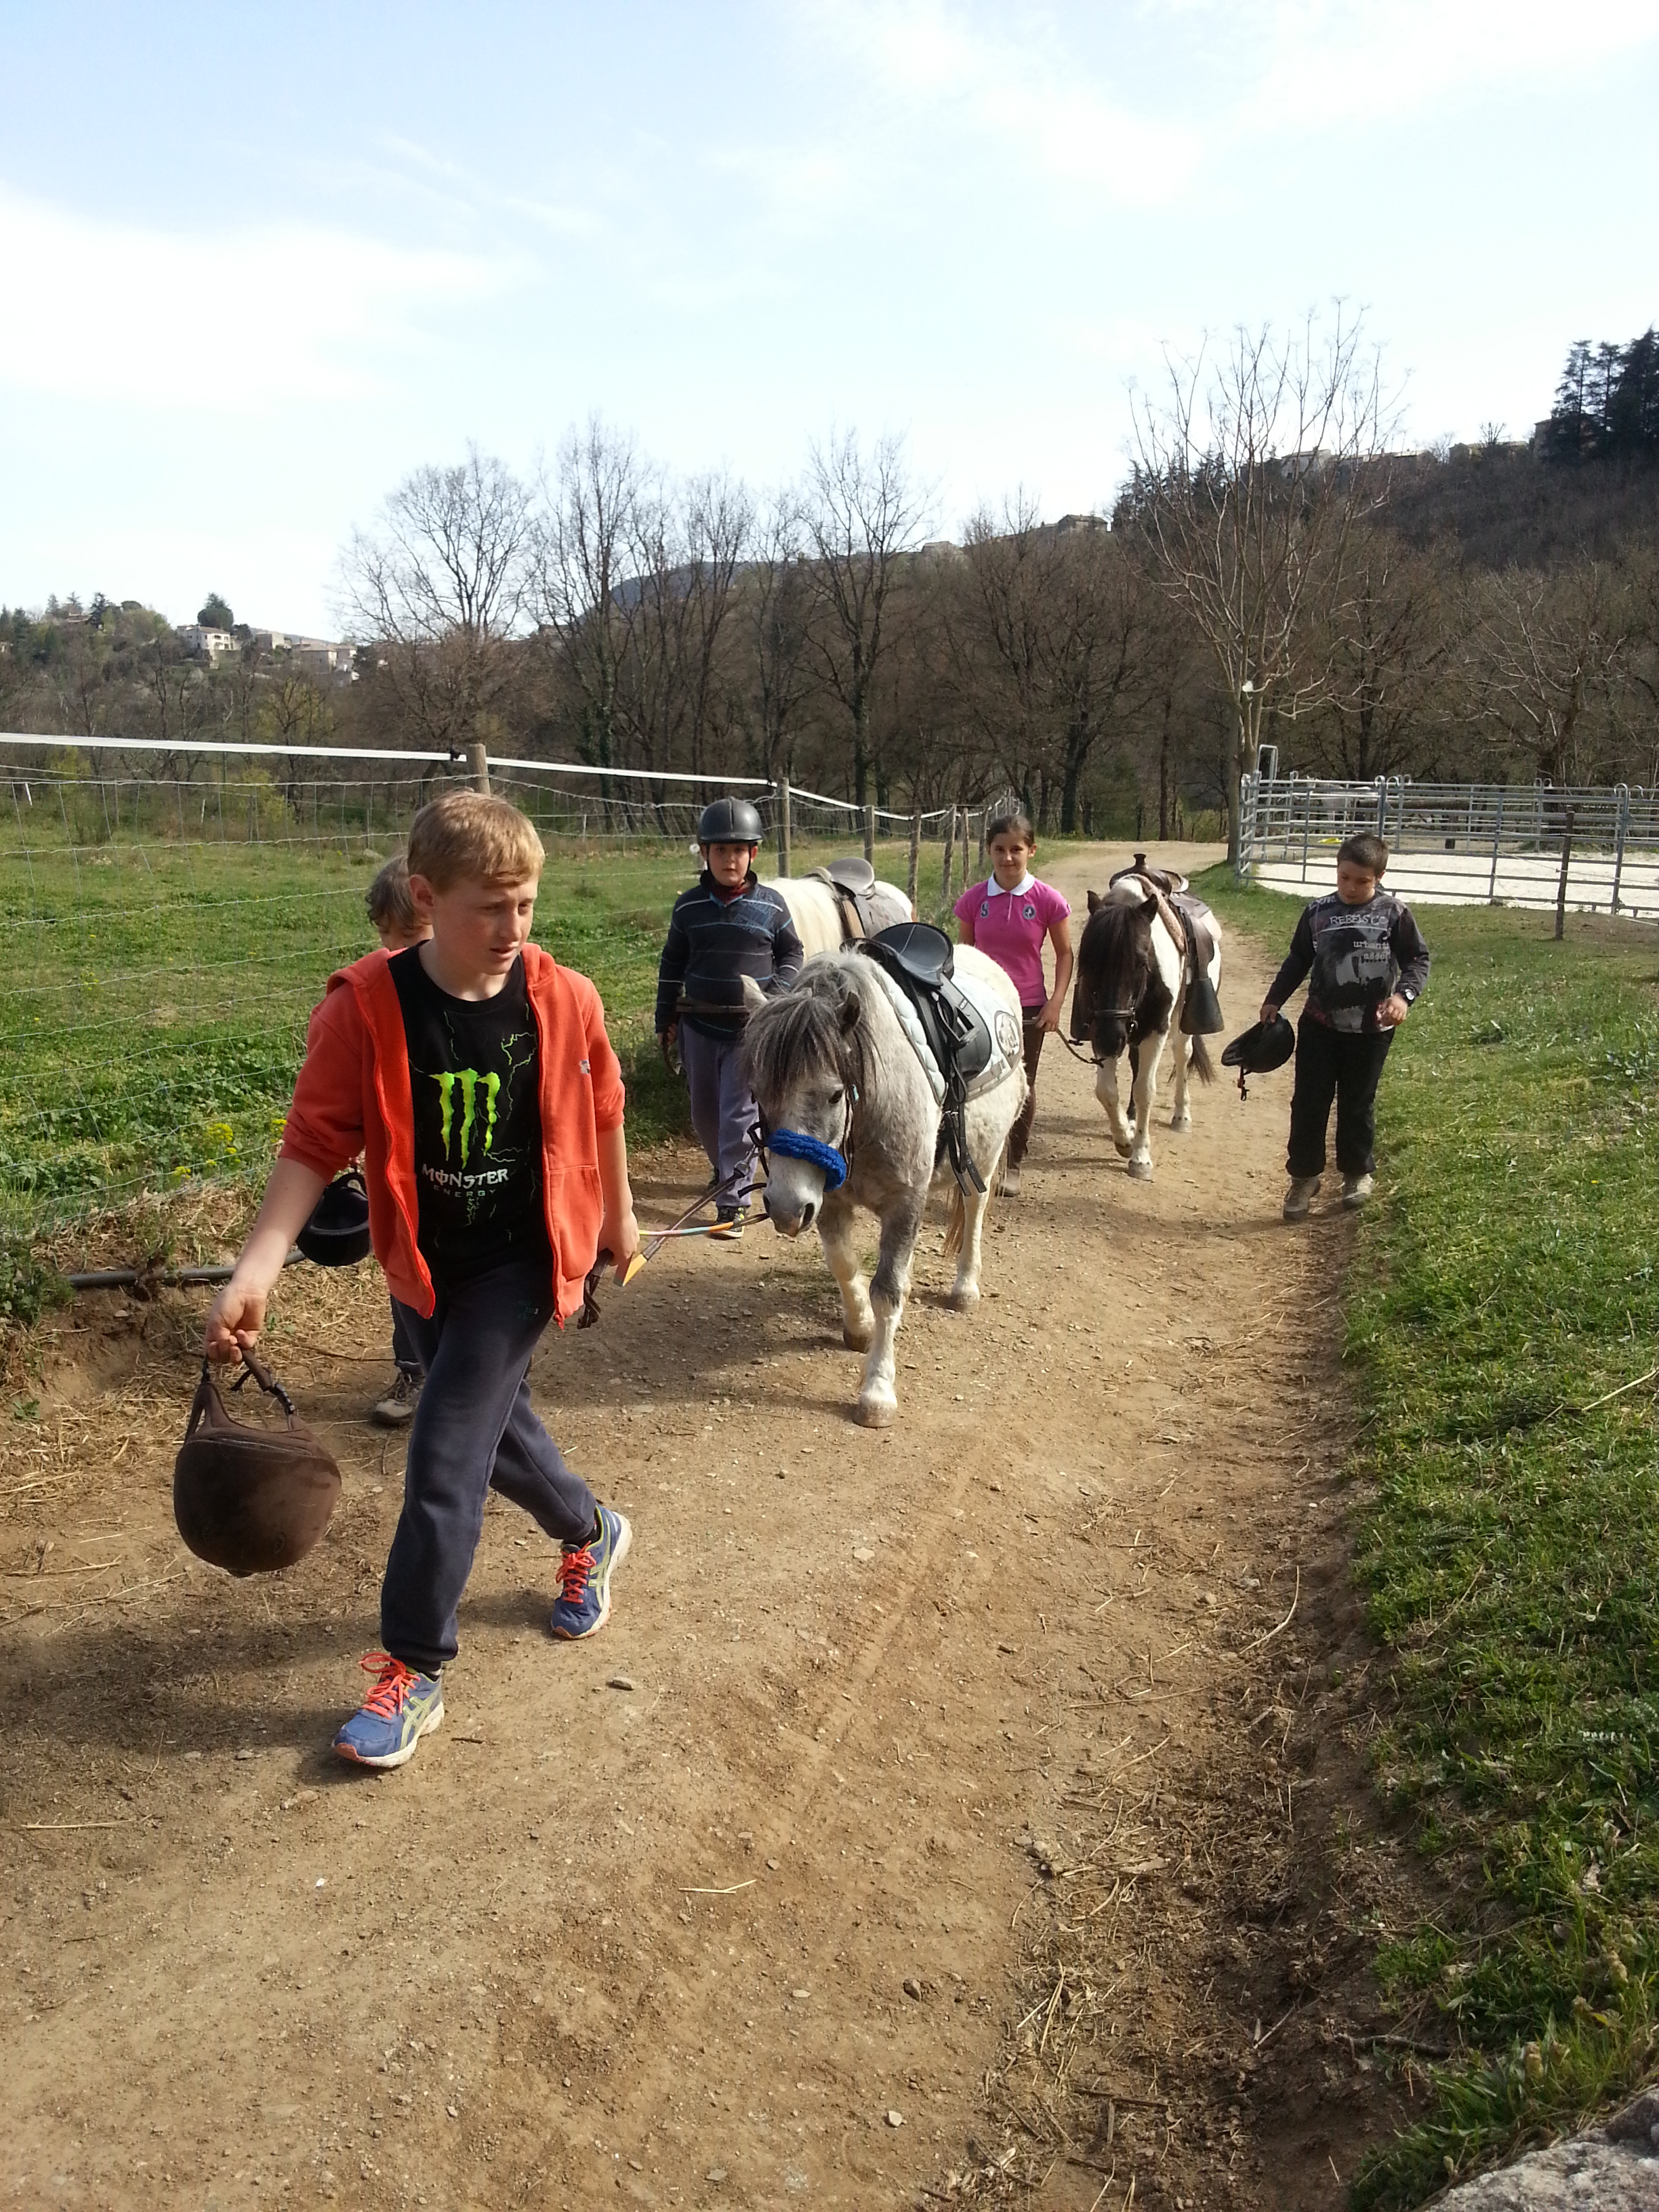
(154, 997)
(1507, 1282)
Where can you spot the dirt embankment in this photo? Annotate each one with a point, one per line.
(944, 1809)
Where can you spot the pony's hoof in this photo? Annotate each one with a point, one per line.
(857, 1340)
(963, 1298)
(1141, 1170)
(1123, 1147)
(876, 1412)
(1181, 1124)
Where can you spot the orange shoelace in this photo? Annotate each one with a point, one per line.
(574, 1568)
(396, 1681)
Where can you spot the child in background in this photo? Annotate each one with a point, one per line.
(400, 924)
(1007, 917)
(474, 1076)
(728, 926)
(1367, 963)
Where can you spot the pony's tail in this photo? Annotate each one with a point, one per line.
(1203, 1065)
(955, 1224)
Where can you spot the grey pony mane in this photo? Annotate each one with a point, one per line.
(803, 1028)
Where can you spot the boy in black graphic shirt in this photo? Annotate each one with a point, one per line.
(1367, 963)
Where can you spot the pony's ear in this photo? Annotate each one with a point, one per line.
(850, 1010)
(1094, 902)
(1149, 904)
(753, 997)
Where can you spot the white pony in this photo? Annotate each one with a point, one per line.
(817, 912)
(1134, 979)
(853, 1119)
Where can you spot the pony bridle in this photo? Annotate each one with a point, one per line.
(834, 1160)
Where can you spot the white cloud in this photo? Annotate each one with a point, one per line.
(236, 322)
(1027, 95)
(1326, 61)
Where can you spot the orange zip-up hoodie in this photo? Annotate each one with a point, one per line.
(354, 1096)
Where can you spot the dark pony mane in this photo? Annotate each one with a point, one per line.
(1115, 962)
(815, 1024)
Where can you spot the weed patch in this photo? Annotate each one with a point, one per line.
(1503, 1308)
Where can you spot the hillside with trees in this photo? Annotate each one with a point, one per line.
(1273, 572)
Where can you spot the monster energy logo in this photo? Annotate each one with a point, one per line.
(470, 1083)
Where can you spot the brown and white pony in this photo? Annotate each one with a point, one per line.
(1132, 977)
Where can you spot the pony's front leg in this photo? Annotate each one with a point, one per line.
(1140, 1157)
(1181, 1110)
(835, 1235)
(1106, 1091)
(877, 1400)
(965, 1292)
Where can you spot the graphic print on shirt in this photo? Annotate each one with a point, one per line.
(468, 1164)
(474, 1074)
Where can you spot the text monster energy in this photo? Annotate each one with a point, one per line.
(470, 1080)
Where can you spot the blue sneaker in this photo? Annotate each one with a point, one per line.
(401, 1708)
(585, 1572)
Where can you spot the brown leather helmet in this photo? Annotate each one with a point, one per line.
(251, 1500)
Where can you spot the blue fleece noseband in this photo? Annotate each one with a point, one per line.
(796, 1144)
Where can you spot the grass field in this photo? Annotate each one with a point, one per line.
(1502, 1310)
(153, 998)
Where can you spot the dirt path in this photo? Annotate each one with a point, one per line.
(756, 1927)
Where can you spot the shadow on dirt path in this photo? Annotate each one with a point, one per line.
(743, 1902)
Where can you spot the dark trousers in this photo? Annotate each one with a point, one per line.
(1031, 1036)
(722, 1107)
(403, 1344)
(474, 1431)
(1345, 1065)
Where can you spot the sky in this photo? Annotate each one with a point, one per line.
(258, 262)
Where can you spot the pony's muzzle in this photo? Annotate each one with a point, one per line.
(789, 1221)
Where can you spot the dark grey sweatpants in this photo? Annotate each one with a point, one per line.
(474, 1431)
(722, 1106)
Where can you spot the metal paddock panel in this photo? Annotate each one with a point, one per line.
(1461, 844)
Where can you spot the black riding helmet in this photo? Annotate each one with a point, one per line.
(1263, 1047)
(730, 821)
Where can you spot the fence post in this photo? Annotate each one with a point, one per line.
(913, 878)
(984, 818)
(477, 760)
(1621, 823)
(1307, 823)
(783, 825)
(1561, 886)
(1496, 841)
(1382, 806)
(949, 840)
(870, 835)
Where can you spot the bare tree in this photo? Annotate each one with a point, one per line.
(777, 607)
(1385, 652)
(1062, 619)
(440, 590)
(1547, 655)
(687, 548)
(863, 514)
(1250, 478)
(589, 535)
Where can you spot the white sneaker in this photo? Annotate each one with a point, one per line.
(1356, 1189)
(1011, 1182)
(1299, 1197)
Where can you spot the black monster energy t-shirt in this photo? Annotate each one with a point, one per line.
(473, 1069)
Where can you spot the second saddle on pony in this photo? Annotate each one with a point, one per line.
(1186, 917)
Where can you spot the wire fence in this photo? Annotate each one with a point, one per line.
(169, 918)
(1588, 851)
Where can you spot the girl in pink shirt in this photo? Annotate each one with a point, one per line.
(1007, 917)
